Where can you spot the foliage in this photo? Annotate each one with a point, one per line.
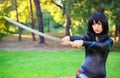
(2, 27)
(5, 8)
(54, 10)
(49, 22)
(80, 11)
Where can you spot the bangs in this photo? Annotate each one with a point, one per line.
(96, 21)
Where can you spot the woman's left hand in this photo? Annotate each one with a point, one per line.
(77, 43)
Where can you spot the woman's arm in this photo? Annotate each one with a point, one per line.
(107, 44)
(84, 37)
(68, 40)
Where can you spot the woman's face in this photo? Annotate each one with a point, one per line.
(97, 27)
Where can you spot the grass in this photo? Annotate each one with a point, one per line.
(48, 64)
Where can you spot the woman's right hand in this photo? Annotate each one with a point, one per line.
(77, 43)
(65, 40)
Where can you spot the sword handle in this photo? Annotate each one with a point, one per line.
(71, 43)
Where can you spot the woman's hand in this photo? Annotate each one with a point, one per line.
(77, 43)
(65, 40)
(113, 40)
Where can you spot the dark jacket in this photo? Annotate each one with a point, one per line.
(96, 53)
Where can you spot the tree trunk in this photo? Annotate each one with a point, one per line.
(19, 29)
(101, 8)
(115, 33)
(68, 26)
(118, 27)
(66, 8)
(48, 21)
(32, 20)
(40, 21)
(67, 11)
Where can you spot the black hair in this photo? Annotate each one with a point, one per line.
(98, 16)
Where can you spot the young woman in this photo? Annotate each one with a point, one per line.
(97, 45)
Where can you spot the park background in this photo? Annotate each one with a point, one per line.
(26, 55)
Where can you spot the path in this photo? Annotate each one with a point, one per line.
(11, 43)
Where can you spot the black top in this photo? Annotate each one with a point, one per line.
(96, 53)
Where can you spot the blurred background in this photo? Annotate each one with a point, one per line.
(26, 55)
(68, 17)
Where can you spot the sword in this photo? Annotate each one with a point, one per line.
(32, 30)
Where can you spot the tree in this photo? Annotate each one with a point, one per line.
(17, 18)
(68, 20)
(4, 10)
(40, 21)
(117, 30)
(66, 4)
(31, 19)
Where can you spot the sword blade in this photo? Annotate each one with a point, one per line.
(32, 30)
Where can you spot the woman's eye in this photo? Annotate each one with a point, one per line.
(93, 23)
(99, 23)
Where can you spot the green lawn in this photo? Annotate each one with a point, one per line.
(48, 64)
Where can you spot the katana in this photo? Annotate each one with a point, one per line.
(32, 30)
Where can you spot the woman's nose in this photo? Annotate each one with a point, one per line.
(96, 26)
